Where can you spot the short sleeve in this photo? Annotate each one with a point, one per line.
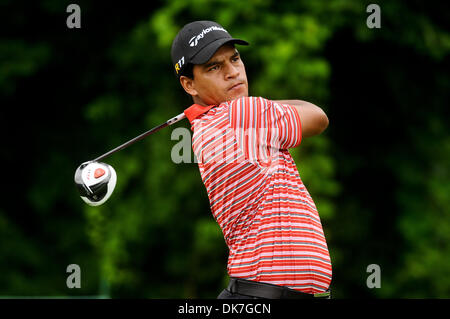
(263, 127)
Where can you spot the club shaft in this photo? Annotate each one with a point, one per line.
(143, 135)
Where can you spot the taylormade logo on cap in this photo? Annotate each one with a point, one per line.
(194, 40)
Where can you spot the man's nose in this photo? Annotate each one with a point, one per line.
(232, 71)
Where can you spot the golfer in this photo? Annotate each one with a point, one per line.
(277, 248)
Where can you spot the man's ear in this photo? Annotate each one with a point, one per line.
(188, 85)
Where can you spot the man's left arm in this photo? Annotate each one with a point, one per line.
(313, 119)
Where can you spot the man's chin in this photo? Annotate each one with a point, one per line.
(237, 95)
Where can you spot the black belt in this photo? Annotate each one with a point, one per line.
(269, 291)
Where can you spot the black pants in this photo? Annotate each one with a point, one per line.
(237, 287)
(225, 294)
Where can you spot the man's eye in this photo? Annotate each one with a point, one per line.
(236, 58)
(213, 68)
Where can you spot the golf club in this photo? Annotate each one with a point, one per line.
(96, 181)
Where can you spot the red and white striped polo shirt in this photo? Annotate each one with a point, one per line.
(269, 221)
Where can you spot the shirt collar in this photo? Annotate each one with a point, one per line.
(195, 110)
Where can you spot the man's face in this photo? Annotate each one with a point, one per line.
(221, 79)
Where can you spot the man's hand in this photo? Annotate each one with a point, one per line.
(313, 118)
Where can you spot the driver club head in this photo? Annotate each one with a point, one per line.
(95, 182)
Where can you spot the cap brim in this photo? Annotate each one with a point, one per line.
(208, 51)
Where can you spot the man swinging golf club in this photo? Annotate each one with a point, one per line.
(277, 248)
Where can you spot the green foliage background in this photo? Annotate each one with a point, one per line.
(379, 175)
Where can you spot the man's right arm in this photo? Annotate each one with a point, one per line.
(313, 119)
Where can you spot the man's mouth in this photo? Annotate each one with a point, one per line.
(236, 86)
